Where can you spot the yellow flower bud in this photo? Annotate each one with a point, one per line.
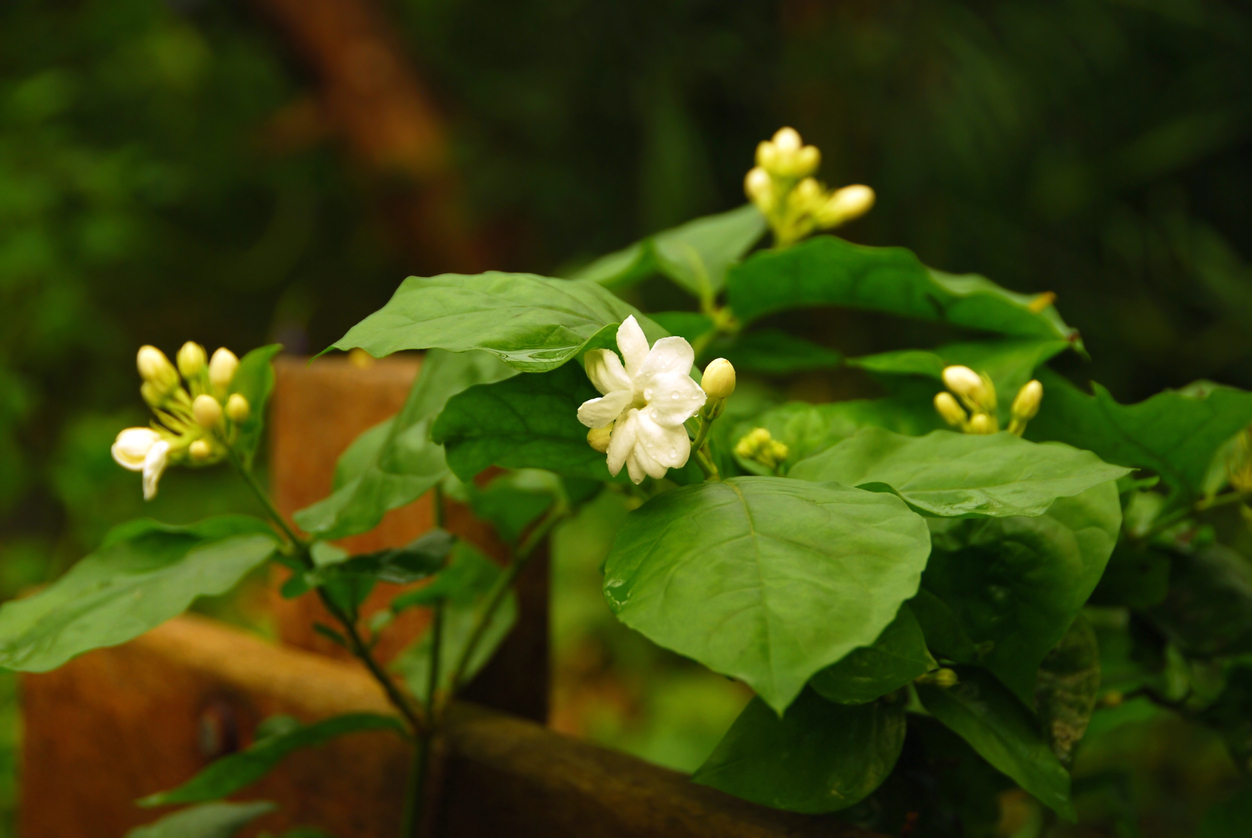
(951, 412)
(766, 156)
(719, 379)
(964, 382)
(981, 423)
(237, 408)
(598, 438)
(191, 360)
(200, 450)
(844, 205)
(156, 369)
(1026, 405)
(778, 451)
(207, 411)
(787, 141)
(807, 194)
(944, 678)
(222, 368)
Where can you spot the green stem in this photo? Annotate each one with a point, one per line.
(415, 801)
(496, 596)
(356, 645)
(706, 464)
(1220, 500)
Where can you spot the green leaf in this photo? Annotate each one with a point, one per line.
(1016, 584)
(146, 573)
(1009, 363)
(687, 324)
(1174, 433)
(819, 757)
(1065, 693)
(1003, 731)
(514, 501)
(530, 421)
(208, 820)
(1208, 610)
(765, 579)
(1136, 577)
(827, 271)
(954, 475)
(945, 635)
(1230, 818)
(464, 588)
(349, 581)
(808, 429)
(774, 352)
(1231, 715)
(897, 657)
(237, 771)
(532, 323)
(695, 255)
(254, 380)
(377, 478)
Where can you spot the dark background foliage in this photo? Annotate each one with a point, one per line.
(165, 175)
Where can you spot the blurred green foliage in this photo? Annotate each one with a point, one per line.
(1100, 149)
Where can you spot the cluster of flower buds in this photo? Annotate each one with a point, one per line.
(760, 446)
(783, 188)
(974, 392)
(195, 415)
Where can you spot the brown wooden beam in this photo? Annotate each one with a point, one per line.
(117, 724)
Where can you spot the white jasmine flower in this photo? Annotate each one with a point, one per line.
(142, 449)
(645, 403)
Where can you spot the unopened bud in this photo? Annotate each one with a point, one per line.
(751, 443)
(1112, 698)
(719, 379)
(222, 368)
(981, 423)
(787, 141)
(778, 451)
(598, 438)
(1026, 405)
(964, 382)
(156, 369)
(758, 187)
(237, 408)
(948, 408)
(944, 678)
(200, 450)
(207, 411)
(807, 194)
(845, 204)
(191, 360)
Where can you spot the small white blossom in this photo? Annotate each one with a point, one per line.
(154, 467)
(142, 449)
(644, 403)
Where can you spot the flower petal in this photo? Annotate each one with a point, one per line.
(668, 355)
(622, 440)
(634, 467)
(644, 460)
(668, 446)
(633, 343)
(132, 446)
(673, 398)
(597, 413)
(154, 467)
(605, 370)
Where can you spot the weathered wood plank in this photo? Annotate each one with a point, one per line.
(117, 724)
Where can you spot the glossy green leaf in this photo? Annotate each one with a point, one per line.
(1067, 687)
(464, 589)
(897, 657)
(776, 352)
(1003, 731)
(1174, 433)
(1015, 584)
(144, 574)
(515, 500)
(1008, 363)
(349, 581)
(765, 579)
(530, 421)
(208, 820)
(827, 271)
(961, 475)
(695, 255)
(380, 474)
(254, 380)
(239, 770)
(532, 323)
(808, 429)
(1208, 610)
(819, 757)
(942, 628)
